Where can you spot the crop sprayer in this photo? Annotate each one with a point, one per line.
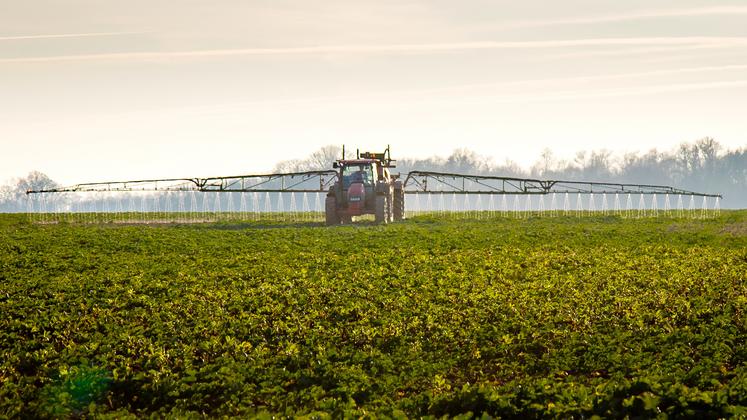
(364, 185)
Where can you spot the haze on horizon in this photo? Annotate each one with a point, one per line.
(140, 89)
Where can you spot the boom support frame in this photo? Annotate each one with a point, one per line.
(426, 182)
(309, 181)
(416, 182)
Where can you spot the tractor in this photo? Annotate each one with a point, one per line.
(365, 185)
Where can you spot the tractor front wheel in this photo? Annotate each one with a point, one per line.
(330, 211)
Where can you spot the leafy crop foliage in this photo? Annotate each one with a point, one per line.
(546, 317)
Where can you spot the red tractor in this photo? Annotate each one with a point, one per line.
(365, 186)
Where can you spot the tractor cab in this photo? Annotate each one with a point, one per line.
(357, 171)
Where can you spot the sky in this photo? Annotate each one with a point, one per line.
(98, 90)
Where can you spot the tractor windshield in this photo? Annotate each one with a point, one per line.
(357, 173)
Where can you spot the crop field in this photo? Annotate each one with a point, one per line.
(533, 317)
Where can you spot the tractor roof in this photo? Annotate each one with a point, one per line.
(384, 159)
(356, 161)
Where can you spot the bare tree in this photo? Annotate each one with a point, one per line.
(545, 165)
(13, 196)
(323, 158)
(508, 168)
(317, 161)
(467, 161)
(7, 197)
(286, 166)
(35, 180)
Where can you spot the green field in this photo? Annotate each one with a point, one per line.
(536, 317)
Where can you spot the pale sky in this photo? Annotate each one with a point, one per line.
(95, 90)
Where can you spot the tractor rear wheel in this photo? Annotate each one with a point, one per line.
(390, 208)
(330, 211)
(399, 205)
(381, 210)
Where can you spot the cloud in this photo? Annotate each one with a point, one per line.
(651, 14)
(638, 51)
(393, 48)
(461, 92)
(621, 92)
(581, 79)
(457, 92)
(55, 36)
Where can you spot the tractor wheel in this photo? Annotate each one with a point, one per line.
(330, 211)
(390, 208)
(399, 205)
(382, 213)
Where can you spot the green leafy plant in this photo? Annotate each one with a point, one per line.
(547, 317)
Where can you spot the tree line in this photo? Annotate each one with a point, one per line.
(703, 165)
